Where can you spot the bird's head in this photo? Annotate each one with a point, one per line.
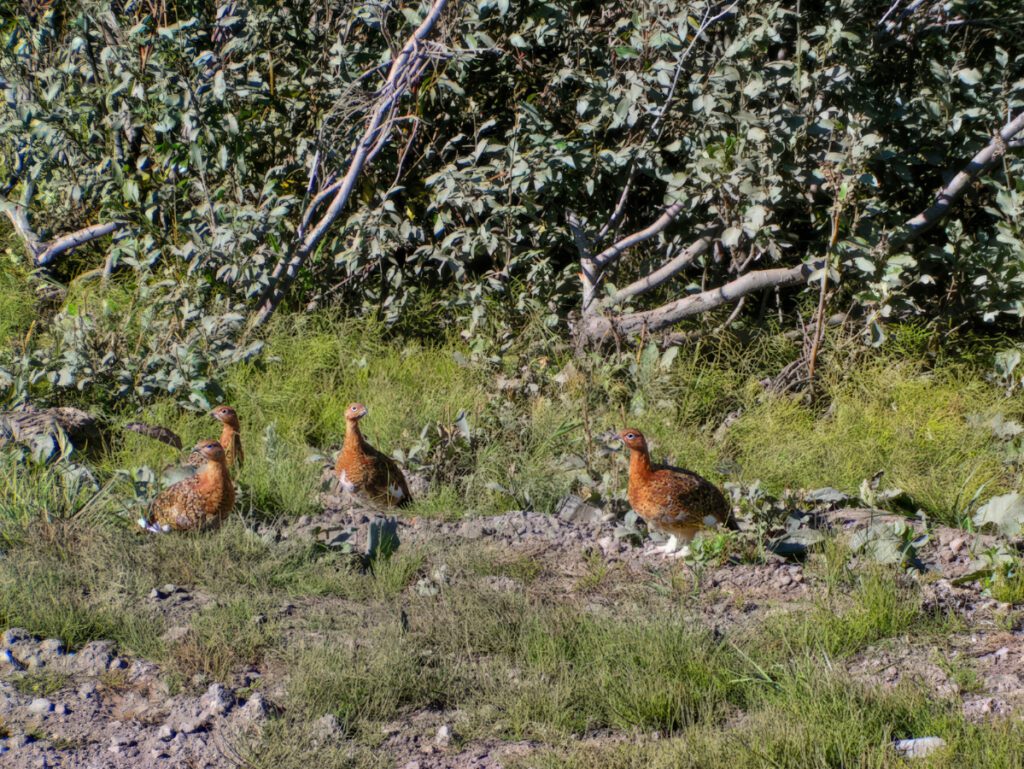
(355, 411)
(634, 439)
(225, 414)
(211, 450)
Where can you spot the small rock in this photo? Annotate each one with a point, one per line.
(60, 709)
(784, 581)
(176, 634)
(325, 727)
(411, 765)
(117, 664)
(93, 658)
(217, 700)
(14, 635)
(427, 588)
(918, 747)
(33, 661)
(8, 659)
(254, 710)
(19, 740)
(575, 510)
(40, 705)
(194, 725)
(443, 737)
(119, 743)
(88, 690)
(166, 733)
(53, 647)
(956, 545)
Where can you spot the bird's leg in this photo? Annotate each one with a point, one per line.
(682, 552)
(665, 549)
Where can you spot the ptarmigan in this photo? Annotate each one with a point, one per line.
(674, 501)
(200, 502)
(230, 438)
(362, 469)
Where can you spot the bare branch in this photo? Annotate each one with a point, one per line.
(597, 327)
(405, 70)
(667, 270)
(41, 252)
(953, 191)
(76, 239)
(614, 251)
(18, 215)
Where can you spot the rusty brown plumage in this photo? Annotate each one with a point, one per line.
(362, 469)
(197, 503)
(230, 438)
(675, 501)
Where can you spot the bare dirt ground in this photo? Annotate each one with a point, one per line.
(99, 710)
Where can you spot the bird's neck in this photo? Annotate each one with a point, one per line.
(214, 475)
(639, 464)
(229, 435)
(353, 438)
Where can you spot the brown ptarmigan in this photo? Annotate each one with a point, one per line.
(230, 438)
(197, 503)
(362, 469)
(674, 501)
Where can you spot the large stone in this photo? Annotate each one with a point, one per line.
(94, 658)
(919, 747)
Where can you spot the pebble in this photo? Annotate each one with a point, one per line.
(166, 733)
(956, 545)
(52, 646)
(14, 635)
(443, 736)
(40, 705)
(217, 700)
(60, 709)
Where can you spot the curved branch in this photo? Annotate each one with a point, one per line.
(614, 251)
(405, 71)
(953, 191)
(74, 240)
(667, 270)
(688, 306)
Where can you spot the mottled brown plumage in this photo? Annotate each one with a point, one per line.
(362, 469)
(230, 439)
(674, 501)
(200, 502)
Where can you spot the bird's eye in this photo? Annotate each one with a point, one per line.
(630, 436)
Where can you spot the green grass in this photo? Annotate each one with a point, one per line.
(1007, 582)
(915, 419)
(40, 683)
(17, 301)
(889, 415)
(224, 637)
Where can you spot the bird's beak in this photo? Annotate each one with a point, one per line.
(610, 437)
